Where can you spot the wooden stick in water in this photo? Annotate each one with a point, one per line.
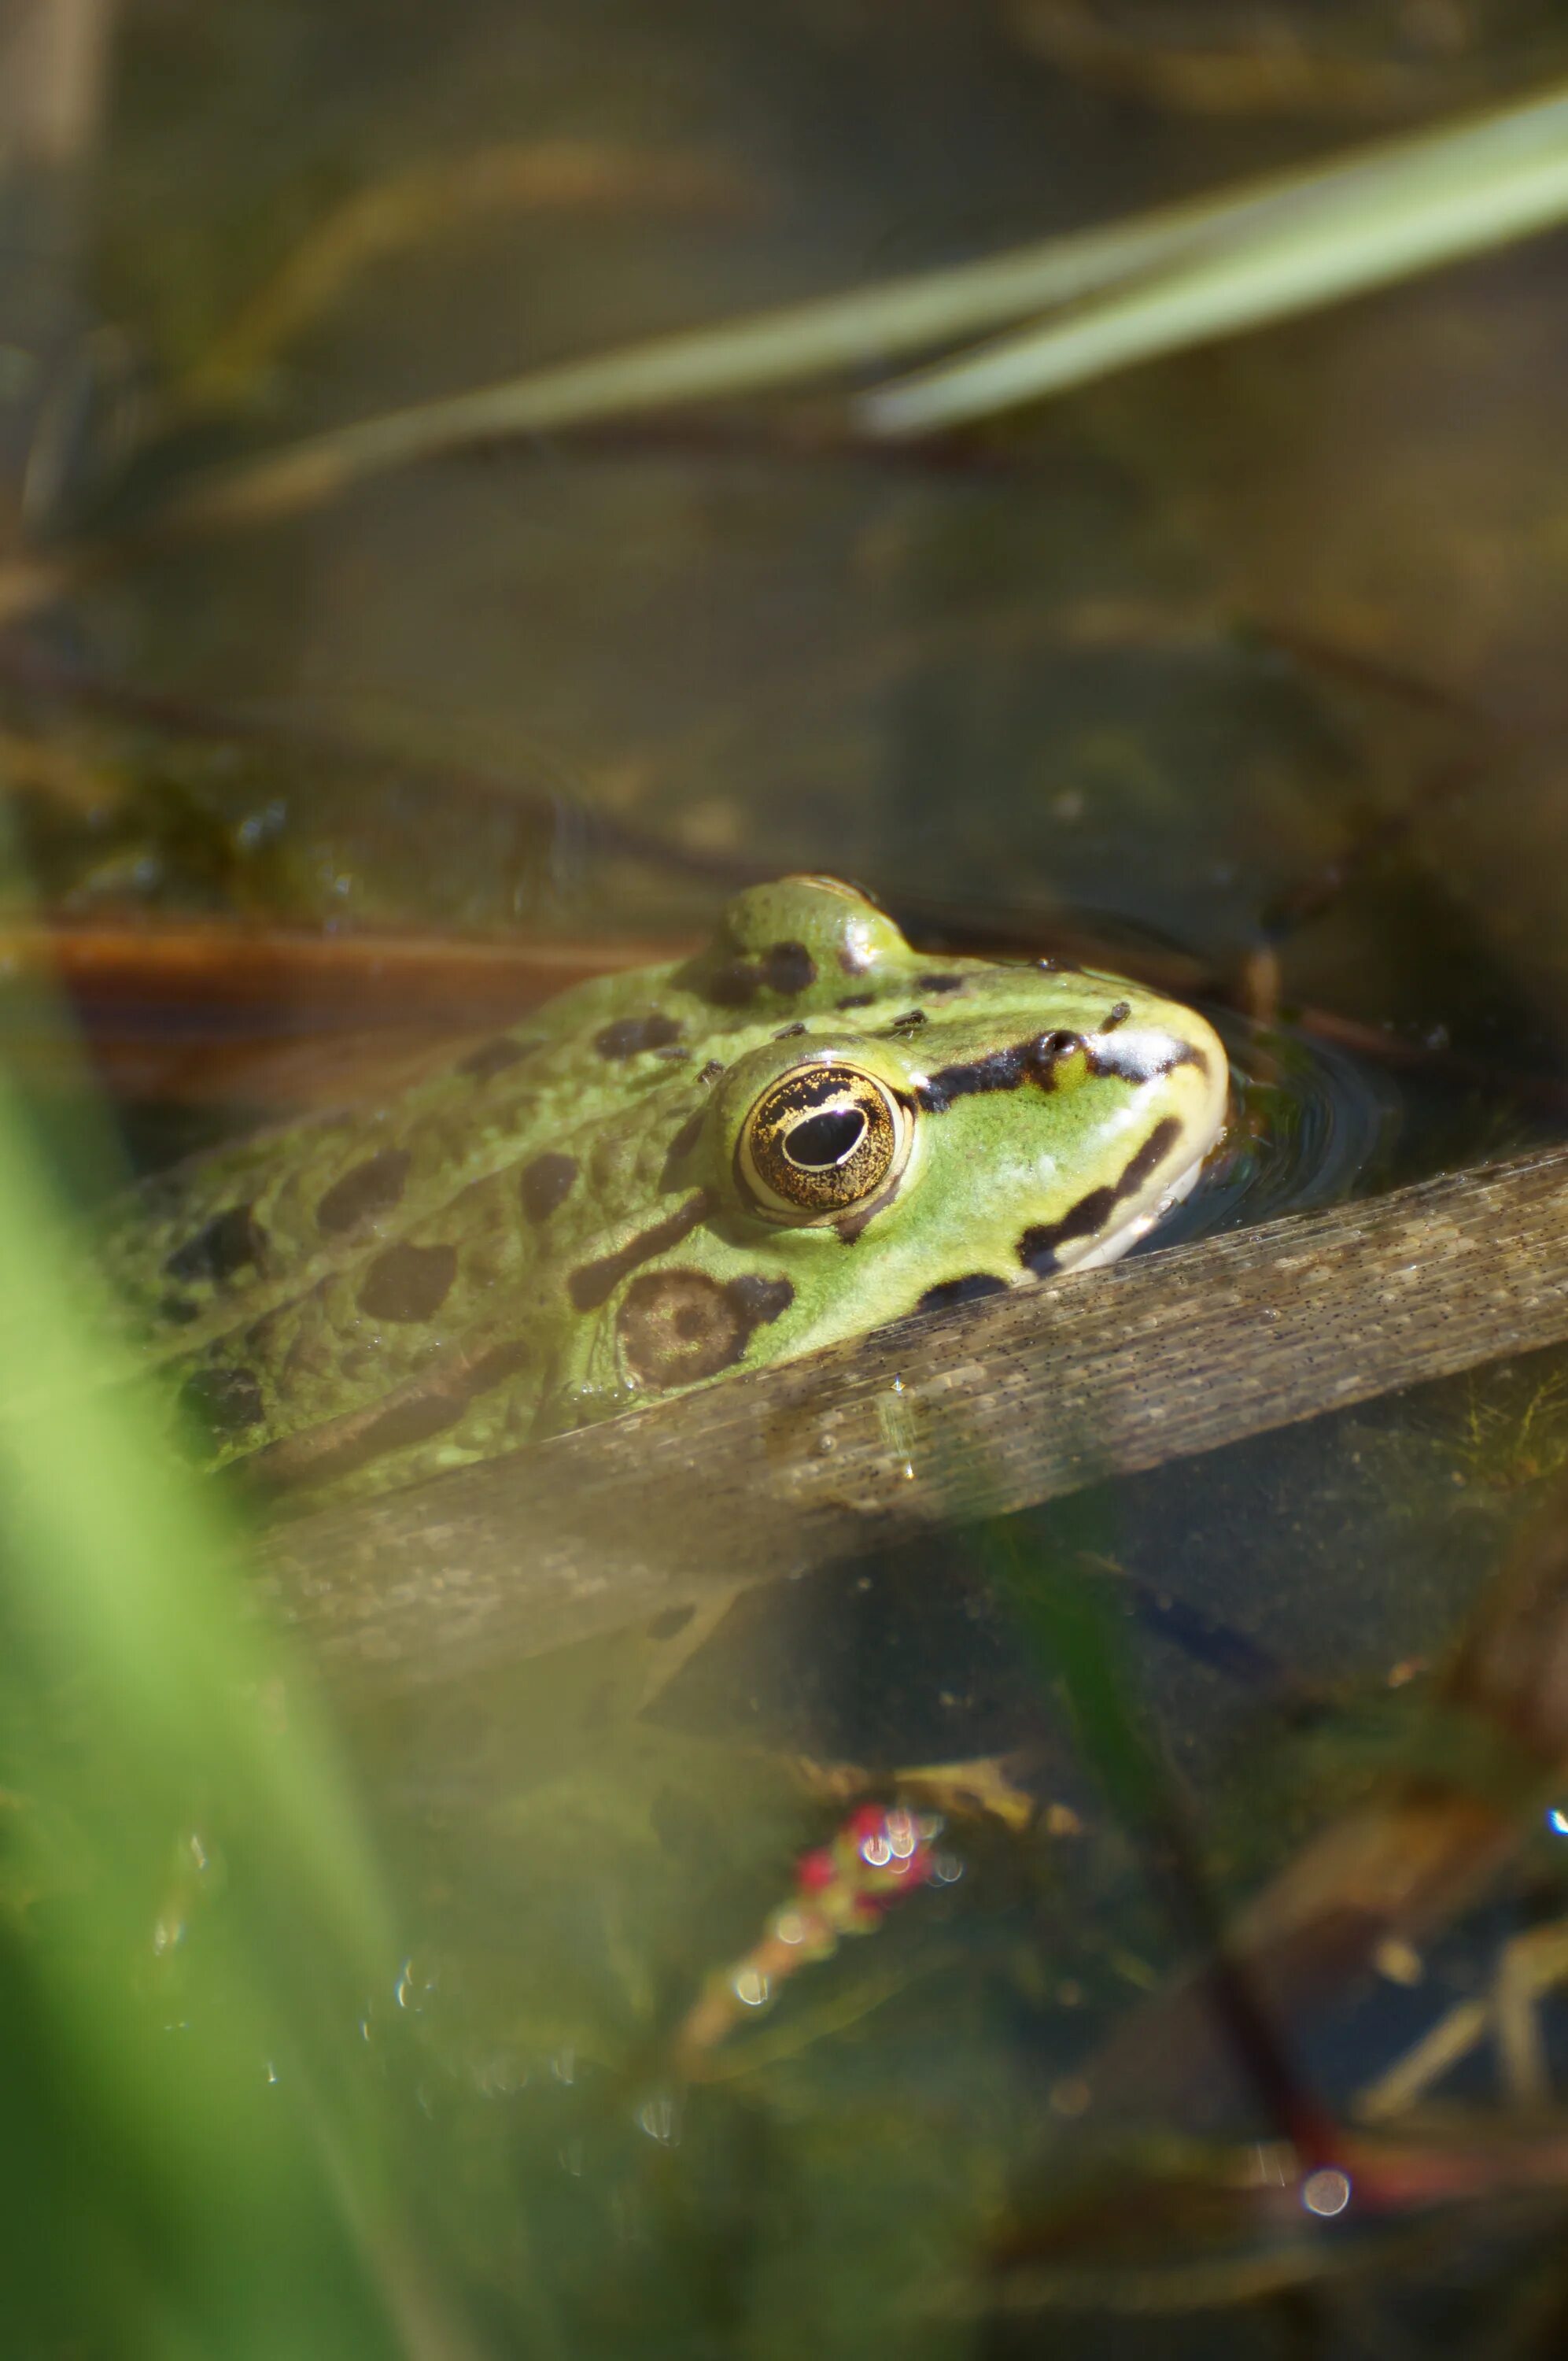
(990, 1407)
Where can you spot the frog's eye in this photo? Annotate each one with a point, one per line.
(822, 1138)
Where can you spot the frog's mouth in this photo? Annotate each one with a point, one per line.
(1121, 1240)
(1114, 1242)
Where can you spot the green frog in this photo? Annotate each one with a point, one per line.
(806, 1130)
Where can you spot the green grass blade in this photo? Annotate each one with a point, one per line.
(197, 2158)
(1426, 204)
(1210, 266)
(871, 326)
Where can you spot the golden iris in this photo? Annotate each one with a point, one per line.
(822, 1138)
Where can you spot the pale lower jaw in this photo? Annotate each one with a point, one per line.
(1117, 1242)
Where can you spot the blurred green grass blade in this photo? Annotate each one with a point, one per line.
(862, 329)
(1427, 203)
(198, 2157)
(119, 1569)
(1208, 266)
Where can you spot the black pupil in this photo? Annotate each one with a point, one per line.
(823, 1140)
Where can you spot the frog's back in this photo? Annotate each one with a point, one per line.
(376, 1271)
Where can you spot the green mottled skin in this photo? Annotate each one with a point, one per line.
(257, 1305)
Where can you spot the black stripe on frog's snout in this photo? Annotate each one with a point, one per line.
(1038, 1247)
(962, 1290)
(365, 1191)
(232, 1241)
(1034, 1060)
(594, 1283)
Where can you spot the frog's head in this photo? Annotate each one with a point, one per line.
(924, 1130)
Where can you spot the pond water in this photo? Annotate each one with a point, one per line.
(1243, 667)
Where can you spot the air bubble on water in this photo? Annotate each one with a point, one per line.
(751, 1987)
(660, 2119)
(414, 1985)
(500, 2077)
(1326, 2192)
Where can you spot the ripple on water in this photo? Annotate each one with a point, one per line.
(1312, 1124)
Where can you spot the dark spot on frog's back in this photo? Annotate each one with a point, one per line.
(630, 1036)
(408, 1282)
(962, 1290)
(785, 968)
(678, 1327)
(232, 1241)
(788, 968)
(415, 1413)
(546, 1184)
(492, 1057)
(939, 982)
(217, 1404)
(365, 1193)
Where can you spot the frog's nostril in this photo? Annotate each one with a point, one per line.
(824, 1140)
